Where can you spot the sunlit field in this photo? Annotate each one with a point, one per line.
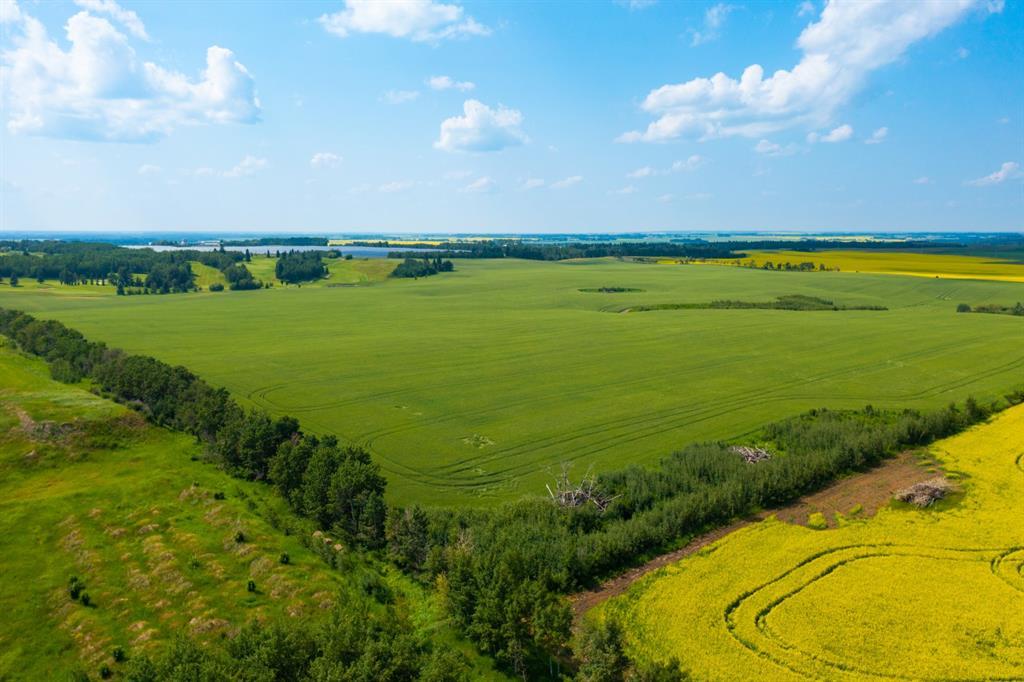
(900, 263)
(909, 594)
(477, 384)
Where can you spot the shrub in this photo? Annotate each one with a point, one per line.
(216, 286)
(251, 586)
(75, 587)
(119, 654)
(963, 308)
(239, 537)
(817, 521)
(284, 558)
(219, 495)
(85, 599)
(105, 672)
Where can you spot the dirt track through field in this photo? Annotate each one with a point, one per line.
(871, 490)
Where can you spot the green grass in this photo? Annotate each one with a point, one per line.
(475, 385)
(89, 489)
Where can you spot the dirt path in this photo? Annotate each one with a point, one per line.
(871, 490)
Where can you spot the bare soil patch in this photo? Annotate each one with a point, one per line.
(859, 495)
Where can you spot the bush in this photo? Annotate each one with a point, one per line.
(963, 308)
(85, 599)
(817, 521)
(75, 588)
(251, 586)
(105, 672)
(239, 537)
(119, 654)
(284, 558)
(216, 286)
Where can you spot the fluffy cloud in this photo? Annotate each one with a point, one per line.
(481, 129)
(1010, 170)
(130, 20)
(849, 41)
(10, 13)
(417, 20)
(448, 83)
(839, 134)
(644, 172)
(769, 148)
(250, 165)
(878, 136)
(483, 185)
(99, 89)
(400, 96)
(714, 18)
(325, 160)
(567, 182)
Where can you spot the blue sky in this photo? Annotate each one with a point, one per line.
(421, 116)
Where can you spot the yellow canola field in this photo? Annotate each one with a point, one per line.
(935, 594)
(898, 263)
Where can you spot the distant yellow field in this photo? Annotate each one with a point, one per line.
(391, 242)
(898, 263)
(909, 594)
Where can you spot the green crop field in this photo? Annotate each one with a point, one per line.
(88, 489)
(475, 385)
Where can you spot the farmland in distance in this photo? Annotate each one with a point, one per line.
(476, 385)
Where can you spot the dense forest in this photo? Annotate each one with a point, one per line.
(422, 267)
(503, 572)
(300, 266)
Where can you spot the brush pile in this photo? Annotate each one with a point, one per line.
(925, 493)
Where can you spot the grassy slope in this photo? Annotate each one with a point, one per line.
(902, 263)
(933, 594)
(471, 385)
(121, 505)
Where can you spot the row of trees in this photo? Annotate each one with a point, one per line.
(502, 572)
(1017, 310)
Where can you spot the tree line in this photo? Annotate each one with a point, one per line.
(502, 572)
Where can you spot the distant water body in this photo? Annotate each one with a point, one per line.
(355, 251)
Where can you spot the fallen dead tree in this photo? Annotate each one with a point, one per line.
(570, 495)
(751, 455)
(925, 493)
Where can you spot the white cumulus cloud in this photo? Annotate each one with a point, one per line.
(481, 129)
(99, 89)
(1010, 170)
(769, 148)
(878, 136)
(449, 83)
(325, 160)
(250, 165)
(130, 20)
(417, 20)
(849, 41)
(839, 134)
